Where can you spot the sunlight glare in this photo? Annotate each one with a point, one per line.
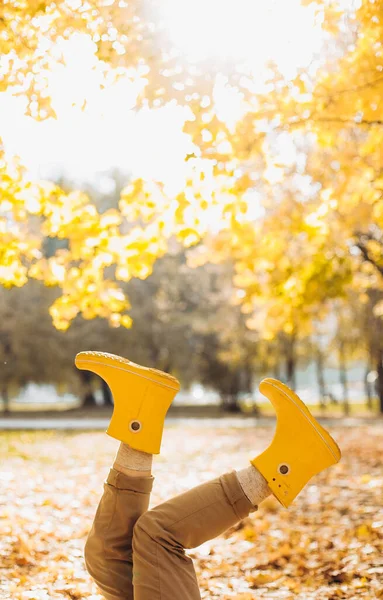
(97, 127)
(254, 31)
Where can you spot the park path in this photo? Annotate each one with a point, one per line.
(95, 424)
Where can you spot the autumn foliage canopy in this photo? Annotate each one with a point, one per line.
(302, 228)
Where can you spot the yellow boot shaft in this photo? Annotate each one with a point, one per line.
(301, 447)
(142, 397)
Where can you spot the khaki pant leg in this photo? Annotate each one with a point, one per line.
(162, 571)
(108, 549)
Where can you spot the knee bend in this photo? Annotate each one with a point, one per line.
(91, 558)
(144, 531)
(99, 570)
(148, 530)
(95, 560)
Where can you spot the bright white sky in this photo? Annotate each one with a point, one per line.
(109, 133)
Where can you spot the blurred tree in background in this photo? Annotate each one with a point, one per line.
(279, 244)
(177, 326)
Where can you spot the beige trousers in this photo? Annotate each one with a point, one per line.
(135, 553)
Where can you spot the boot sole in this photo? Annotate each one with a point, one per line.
(326, 438)
(123, 364)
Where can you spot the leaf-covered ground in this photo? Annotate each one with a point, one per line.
(328, 545)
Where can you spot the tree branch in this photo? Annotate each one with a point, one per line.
(369, 258)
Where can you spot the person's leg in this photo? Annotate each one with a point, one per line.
(162, 571)
(300, 449)
(108, 549)
(142, 397)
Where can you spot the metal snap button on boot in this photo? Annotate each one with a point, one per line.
(135, 426)
(283, 469)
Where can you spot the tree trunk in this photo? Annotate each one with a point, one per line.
(248, 385)
(88, 399)
(5, 398)
(343, 378)
(367, 387)
(231, 393)
(320, 379)
(291, 363)
(247, 376)
(277, 370)
(230, 403)
(106, 394)
(379, 381)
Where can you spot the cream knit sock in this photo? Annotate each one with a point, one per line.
(253, 484)
(129, 458)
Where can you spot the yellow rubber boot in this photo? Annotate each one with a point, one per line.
(141, 397)
(301, 448)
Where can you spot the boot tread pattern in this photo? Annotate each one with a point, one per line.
(321, 431)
